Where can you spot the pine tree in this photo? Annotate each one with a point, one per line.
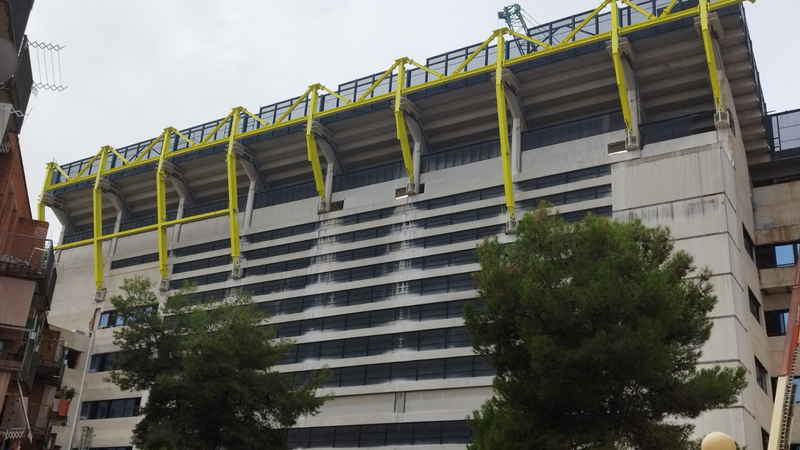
(595, 330)
(208, 369)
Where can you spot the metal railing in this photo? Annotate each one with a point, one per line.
(30, 362)
(551, 33)
(27, 256)
(22, 84)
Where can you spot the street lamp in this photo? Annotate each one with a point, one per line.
(717, 441)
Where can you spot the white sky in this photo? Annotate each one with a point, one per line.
(136, 67)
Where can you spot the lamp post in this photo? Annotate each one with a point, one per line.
(717, 441)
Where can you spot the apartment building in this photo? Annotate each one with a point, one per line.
(351, 213)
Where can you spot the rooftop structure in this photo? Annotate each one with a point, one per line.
(350, 214)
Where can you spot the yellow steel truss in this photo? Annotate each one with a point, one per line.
(400, 90)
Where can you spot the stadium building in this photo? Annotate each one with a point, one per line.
(351, 214)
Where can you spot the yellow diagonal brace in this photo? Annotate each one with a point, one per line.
(233, 192)
(149, 147)
(124, 161)
(97, 213)
(346, 101)
(161, 201)
(216, 128)
(430, 71)
(505, 152)
(665, 12)
(400, 121)
(311, 144)
(376, 83)
(62, 172)
(639, 8)
(266, 124)
(712, 64)
(180, 135)
(475, 53)
(528, 38)
(572, 33)
(89, 164)
(621, 88)
(48, 175)
(294, 105)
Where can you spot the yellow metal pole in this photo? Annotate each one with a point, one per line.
(233, 196)
(311, 143)
(712, 64)
(97, 211)
(161, 201)
(621, 88)
(505, 153)
(400, 122)
(48, 175)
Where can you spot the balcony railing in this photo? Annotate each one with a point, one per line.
(25, 256)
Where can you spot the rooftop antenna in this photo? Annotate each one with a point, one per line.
(517, 20)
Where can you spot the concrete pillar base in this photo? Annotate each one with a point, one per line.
(237, 273)
(631, 142)
(511, 226)
(163, 285)
(722, 120)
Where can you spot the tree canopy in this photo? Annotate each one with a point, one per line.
(208, 369)
(595, 330)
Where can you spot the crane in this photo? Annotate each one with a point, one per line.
(515, 18)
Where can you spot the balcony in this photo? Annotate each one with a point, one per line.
(18, 354)
(25, 256)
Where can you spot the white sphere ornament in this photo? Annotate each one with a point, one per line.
(8, 59)
(718, 441)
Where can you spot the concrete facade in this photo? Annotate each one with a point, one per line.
(397, 267)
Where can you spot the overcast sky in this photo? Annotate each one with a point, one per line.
(136, 67)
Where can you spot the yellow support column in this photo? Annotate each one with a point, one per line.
(623, 90)
(400, 122)
(709, 50)
(233, 196)
(161, 202)
(311, 143)
(97, 211)
(505, 152)
(48, 175)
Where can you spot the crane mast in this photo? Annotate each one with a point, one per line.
(514, 16)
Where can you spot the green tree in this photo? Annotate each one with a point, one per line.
(209, 372)
(595, 330)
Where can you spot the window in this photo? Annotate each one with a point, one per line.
(436, 339)
(102, 362)
(755, 306)
(762, 376)
(110, 409)
(777, 255)
(764, 439)
(749, 247)
(776, 322)
(380, 435)
(72, 357)
(111, 319)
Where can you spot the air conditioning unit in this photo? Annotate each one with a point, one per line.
(100, 295)
(163, 285)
